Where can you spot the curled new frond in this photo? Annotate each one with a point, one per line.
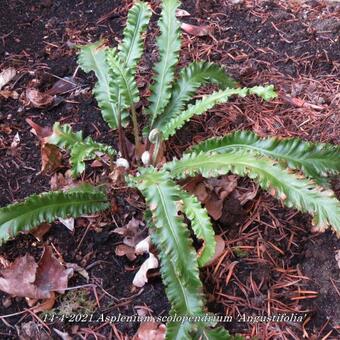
(169, 45)
(192, 78)
(46, 207)
(206, 103)
(131, 48)
(201, 225)
(122, 77)
(92, 57)
(80, 149)
(293, 190)
(179, 265)
(316, 160)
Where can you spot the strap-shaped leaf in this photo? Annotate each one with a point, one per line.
(294, 190)
(92, 57)
(314, 159)
(201, 225)
(123, 78)
(80, 149)
(183, 287)
(169, 45)
(171, 236)
(192, 78)
(131, 48)
(209, 101)
(46, 207)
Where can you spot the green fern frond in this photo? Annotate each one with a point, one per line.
(170, 126)
(81, 150)
(46, 207)
(64, 137)
(316, 160)
(123, 78)
(192, 78)
(178, 257)
(201, 225)
(92, 57)
(85, 151)
(131, 48)
(294, 191)
(265, 92)
(169, 44)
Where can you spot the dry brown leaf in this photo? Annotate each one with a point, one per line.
(219, 250)
(201, 192)
(32, 331)
(67, 222)
(50, 154)
(150, 263)
(222, 186)
(143, 246)
(41, 132)
(40, 231)
(25, 278)
(182, 13)
(131, 232)
(124, 250)
(78, 269)
(150, 331)
(198, 31)
(63, 182)
(96, 164)
(50, 158)
(61, 86)
(45, 305)
(38, 99)
(246, 196)
(6, 76)
(140, 278)
(214, 207)
(9, 94)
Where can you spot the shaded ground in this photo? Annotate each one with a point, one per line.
(272, 259)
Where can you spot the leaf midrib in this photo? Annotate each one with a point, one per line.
(56, 205)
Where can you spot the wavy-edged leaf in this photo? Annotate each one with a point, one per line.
(123, 78)
(192, 78)
(178, 257)
(316, 160)
(295, 191)
(208, 102)
(92, 57)
(199, 107)
(131, 48)
(201, 225)
(63, 136)
(169, 44)
(80, 149)
(46, 207)
(265, 92)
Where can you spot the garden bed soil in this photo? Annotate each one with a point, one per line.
(273, 260)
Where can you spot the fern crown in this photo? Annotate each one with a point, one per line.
(292, 170)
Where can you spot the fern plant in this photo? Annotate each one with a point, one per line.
(294, 171)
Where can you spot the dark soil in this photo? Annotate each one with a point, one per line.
(295, 47)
